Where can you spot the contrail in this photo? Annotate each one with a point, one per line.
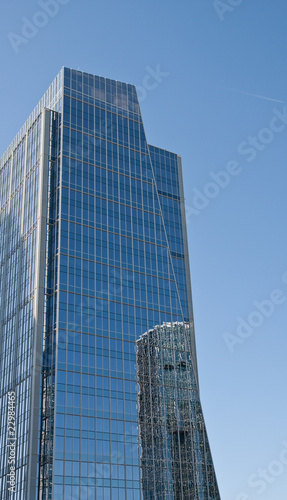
(255, 95)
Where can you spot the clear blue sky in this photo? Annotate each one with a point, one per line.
(203, 110)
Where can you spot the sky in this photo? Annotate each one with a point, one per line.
(218, 98)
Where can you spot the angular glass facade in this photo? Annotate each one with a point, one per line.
(97, 337)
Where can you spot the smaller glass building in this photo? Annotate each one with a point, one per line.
(176, 461)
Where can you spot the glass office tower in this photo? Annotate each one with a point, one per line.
(97, 341)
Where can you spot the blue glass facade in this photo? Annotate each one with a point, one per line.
(112, 289)
(23, 200)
